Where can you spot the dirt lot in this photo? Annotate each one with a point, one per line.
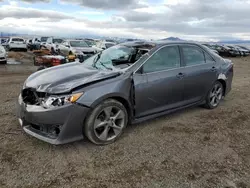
(194, 148)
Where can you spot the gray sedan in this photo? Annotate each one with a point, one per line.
(125, 84)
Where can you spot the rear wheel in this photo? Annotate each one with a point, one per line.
(3, 62)
(106, 122)
(40, 68)
(214, 96)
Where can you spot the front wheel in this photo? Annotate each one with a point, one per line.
(214, 96)
(106, 122)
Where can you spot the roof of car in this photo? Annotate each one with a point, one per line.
(156, 43)
(105, 42)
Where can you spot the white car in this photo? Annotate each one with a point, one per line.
(3, 56)
(77, 47)
(16, 43)
(52, 43)
(102, 45)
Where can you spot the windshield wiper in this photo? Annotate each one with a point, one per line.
(109, 68)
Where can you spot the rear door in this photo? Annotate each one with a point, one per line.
(159, 86)
(199, 74)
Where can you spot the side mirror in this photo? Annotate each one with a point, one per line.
(103, 48)
(67, 46)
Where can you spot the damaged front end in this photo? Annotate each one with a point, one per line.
(32, 97)
(45, 116)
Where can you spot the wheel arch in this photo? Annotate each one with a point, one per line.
(118, 97)
(224, 84)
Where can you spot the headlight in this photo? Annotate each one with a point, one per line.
(55, 101)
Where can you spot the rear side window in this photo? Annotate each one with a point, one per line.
(193, 55)
(208, 58)
(17, 40)
(164, 59)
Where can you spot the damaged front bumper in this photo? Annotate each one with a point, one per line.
(56, 126)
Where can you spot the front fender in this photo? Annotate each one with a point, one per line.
(115, 88)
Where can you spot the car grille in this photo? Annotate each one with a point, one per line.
(51, 131)
(2, 58)
(30, 96)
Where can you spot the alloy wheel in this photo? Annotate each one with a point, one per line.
(216, 95)
(109, 123)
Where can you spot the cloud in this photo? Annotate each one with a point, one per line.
(107, 4)
(36, 1)
(188, 19)
(8, 11)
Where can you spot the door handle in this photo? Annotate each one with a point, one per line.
(213, 69)
(180, 75)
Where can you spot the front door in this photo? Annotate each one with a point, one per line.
(159, 85)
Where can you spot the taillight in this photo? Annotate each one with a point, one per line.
(56, 62)
(231, 68)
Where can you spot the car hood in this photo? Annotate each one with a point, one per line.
(84, 49)
(64, 78)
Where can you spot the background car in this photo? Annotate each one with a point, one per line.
(43, 41)
(244, 47)
(226, 51)
(243, 51)
(16, 43)
(3, 55)
(52, 43)
(102, 45)
(233, 50)
(211, 47)
(77, 47)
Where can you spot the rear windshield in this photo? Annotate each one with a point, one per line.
(57, 41)
(17, 40)
(44, 39)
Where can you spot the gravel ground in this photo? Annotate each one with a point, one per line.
(194, 148)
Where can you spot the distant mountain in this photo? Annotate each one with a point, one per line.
(173, 39)
(234, 41)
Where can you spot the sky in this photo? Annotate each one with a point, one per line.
(199, 20)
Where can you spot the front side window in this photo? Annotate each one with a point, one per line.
(164, 59)
(193, 55)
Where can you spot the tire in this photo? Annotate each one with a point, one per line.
(214, 96)
(98, 122)
(3, 62)
(40, 68)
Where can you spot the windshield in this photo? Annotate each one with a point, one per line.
(57, 41)
(78, 44)
(111, 57)
(90, 43)
(17, 40)
(44, 39)
(108, 45)
(109, 40)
